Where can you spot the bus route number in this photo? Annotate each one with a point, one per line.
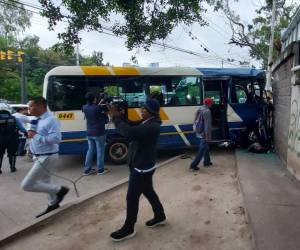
(65, 116)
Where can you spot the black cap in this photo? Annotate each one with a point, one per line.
(152, 106)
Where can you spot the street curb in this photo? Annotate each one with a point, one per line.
(247, 214)
(41, 222)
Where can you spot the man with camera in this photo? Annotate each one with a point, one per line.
(96, 119)
(44, 134)
(143, 136)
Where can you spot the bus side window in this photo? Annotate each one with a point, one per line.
(186, 91)
(132, 90)
(239, 95)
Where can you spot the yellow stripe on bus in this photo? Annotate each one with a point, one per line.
(167, 133)
(74, 140)
(163, 115)
(133, 115)
(95, 71)
(126, 71)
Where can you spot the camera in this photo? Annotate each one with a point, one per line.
(105, 100)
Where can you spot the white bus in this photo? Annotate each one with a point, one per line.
(179, 91)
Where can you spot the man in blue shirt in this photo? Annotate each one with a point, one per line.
(96, 134)
(45, 137)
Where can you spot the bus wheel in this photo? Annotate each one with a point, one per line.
(117, 152)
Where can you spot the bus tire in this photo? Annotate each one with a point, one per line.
(117, 151)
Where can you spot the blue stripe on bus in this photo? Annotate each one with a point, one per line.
(75, 141)
(247, 112)
(236, 125)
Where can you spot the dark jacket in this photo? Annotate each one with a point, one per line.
(95, 120)
(143, 139)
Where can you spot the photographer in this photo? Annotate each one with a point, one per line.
(143, 136)
(96, 119)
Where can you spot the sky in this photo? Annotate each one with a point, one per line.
(215, 37)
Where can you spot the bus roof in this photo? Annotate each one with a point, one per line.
(122, 71)
(235, 72)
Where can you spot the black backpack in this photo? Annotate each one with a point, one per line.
(8, 124)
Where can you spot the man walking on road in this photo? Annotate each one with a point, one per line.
(202, 127)
(45, 136)
(143, 136)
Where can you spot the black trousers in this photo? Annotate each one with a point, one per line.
(141, 183)
(10, 144)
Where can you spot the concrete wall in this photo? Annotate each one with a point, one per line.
(282, 89)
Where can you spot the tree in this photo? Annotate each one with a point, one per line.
(256, 36)
(141, 21)
(95, 60)
(13, 19)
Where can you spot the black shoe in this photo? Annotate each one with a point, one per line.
(0, 171)
(13, 170)
(207, 165)
(156, 221)
(123, 234)
(194, 168)
(48, 209)
(61, 194)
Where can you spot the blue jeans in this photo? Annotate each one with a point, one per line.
(97, 142)
(203, 151)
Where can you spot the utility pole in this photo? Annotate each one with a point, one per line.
(23, 81)
(268, 84)
(222, 63)
(77, 54)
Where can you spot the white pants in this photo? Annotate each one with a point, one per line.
(38, 178)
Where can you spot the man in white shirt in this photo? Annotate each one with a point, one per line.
(45, 137)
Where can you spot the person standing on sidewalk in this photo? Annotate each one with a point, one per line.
(143, 136)
(9, 141)
(202, 127)
(21, 115)
(45, 136)
(96, 119)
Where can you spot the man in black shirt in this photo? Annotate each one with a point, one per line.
(143, 136)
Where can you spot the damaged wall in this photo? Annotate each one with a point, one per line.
(286, 111)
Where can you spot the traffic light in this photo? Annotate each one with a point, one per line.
(20, 56)
(2, 55)
(9, 55)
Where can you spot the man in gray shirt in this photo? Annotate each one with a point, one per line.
(204, 134)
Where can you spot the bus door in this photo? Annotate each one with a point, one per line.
(246, 97)
(217, 89)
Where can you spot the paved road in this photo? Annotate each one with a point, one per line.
(18, 207)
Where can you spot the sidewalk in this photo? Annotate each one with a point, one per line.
(204, 210)
(272, 199)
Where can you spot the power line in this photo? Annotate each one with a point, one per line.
(163, 45)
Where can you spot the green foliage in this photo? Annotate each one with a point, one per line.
(38, 62)
(256, 35)
(13, 19)
(142, 21)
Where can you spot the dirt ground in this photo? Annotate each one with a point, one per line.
(205, 211)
